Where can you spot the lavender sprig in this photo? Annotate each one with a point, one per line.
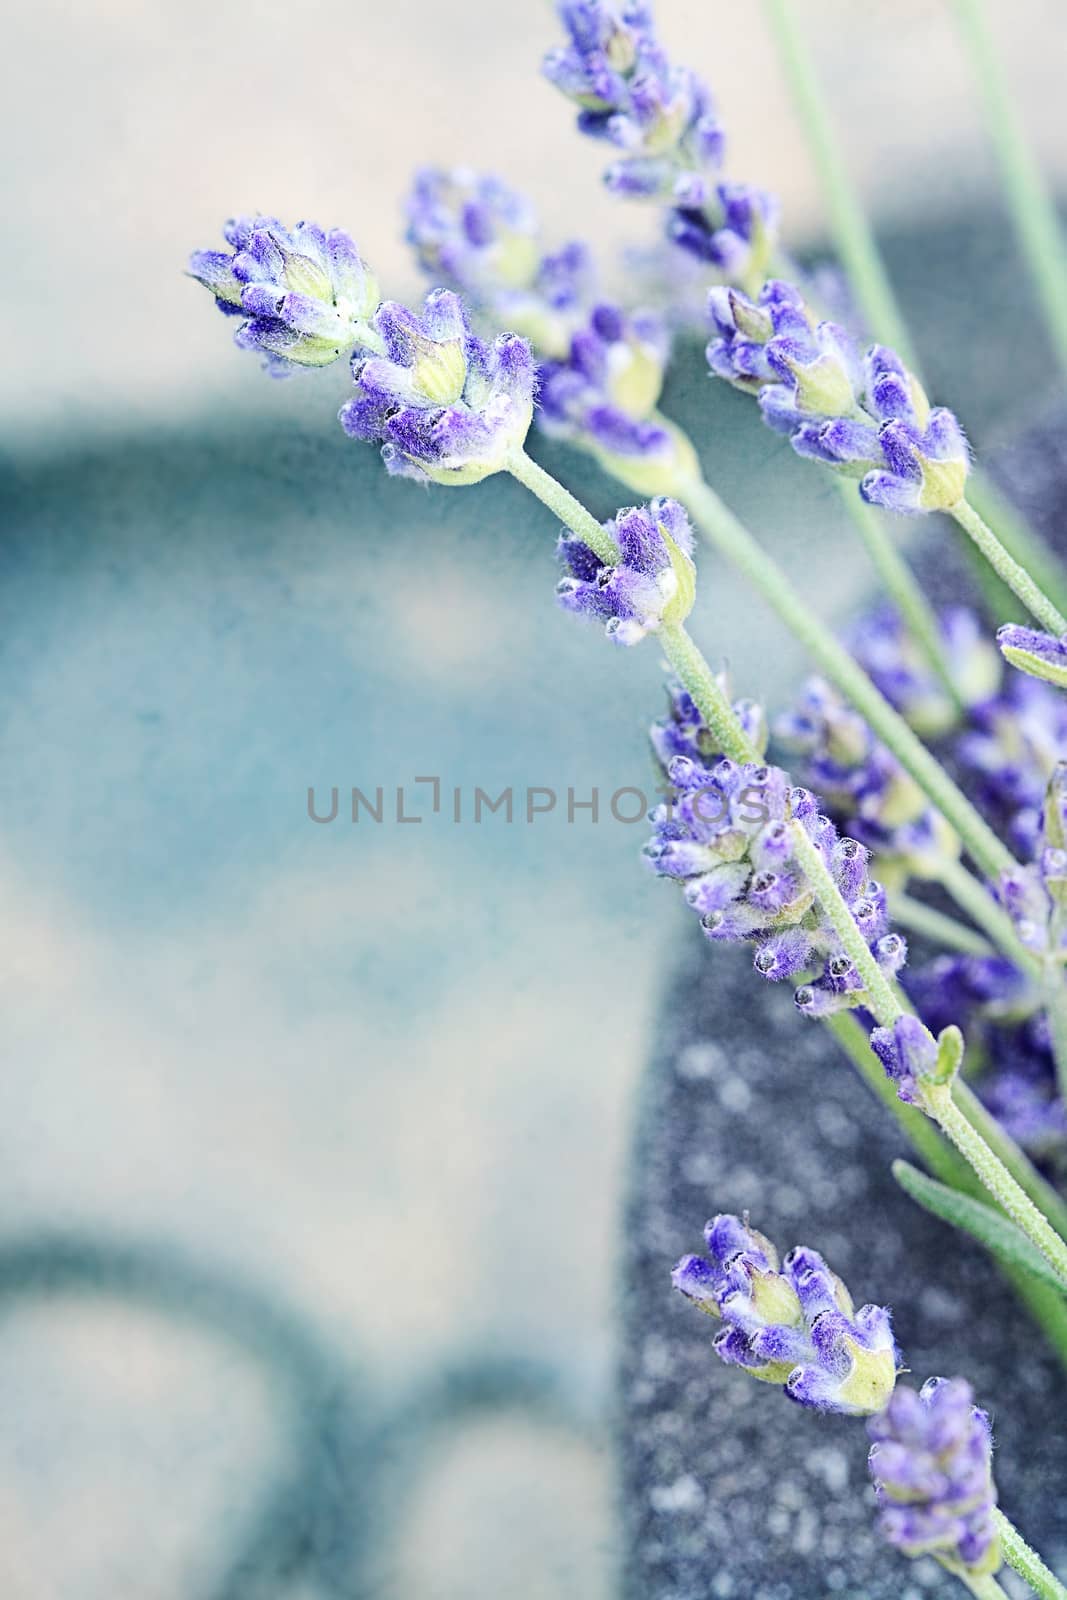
(474, 233)
(864, 415)
(725, 835)
(932, 1464)
(662, 118)
(791, 1323)
(652, 584)
(443, 404)
(305, 296)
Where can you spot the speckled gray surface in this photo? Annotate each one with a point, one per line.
(731, 1492)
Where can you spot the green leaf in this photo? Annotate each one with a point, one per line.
(990, 1227)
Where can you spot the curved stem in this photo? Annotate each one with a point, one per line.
(1033, 214)
(710, 700)
(984, 1587)
(1026, 1562)
(1047, 1307)
(938, 1102)
(974, 898)
(562, 504)
(1047, 1199)
(934, 925)
(733, 540)
(1008, 569)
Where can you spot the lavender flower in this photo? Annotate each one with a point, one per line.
(662, 117)
(863, 783)
(1039, 654)
(724, 835)
(909, 1053)
(444, 405)
(603, 366)
(653, 582)
(603, 397)
(932, 1465)
(864, 416)
(793, 1324)
(305, 295)
(474, 233)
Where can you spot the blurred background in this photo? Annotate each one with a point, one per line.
(315, 1136)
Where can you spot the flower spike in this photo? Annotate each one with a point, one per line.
(445, 406)
(865, 416)
(792, 1323)
(306, 296)
(932, 1463)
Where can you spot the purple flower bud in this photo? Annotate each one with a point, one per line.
(652, 582)
(1039, 654)
(908, 1052)
(305, 295)
(931, 1460)
(444, 406)
(866, 417)
(793, 1324)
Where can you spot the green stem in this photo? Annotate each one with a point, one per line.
(934, 925)
(938, 1156)
(733, 540)
(563, 505)
(974, 898)
(858, 248)
(1020, 541)
(881, 998)
(991, 1172)
(1030, 203)
(1026, 1562)
(901, 585)
(1008, 569)
(713, 705)
(984, 1586)
(1047, 1307)
(1047, 1199)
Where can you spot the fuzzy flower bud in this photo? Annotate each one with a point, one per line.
(305, 295)
(791, 1323)
(932, 1464)
(864, 416)
(653, 582)
(603, 397)
(914, 1060)
(1041, 655)
(445, 406)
